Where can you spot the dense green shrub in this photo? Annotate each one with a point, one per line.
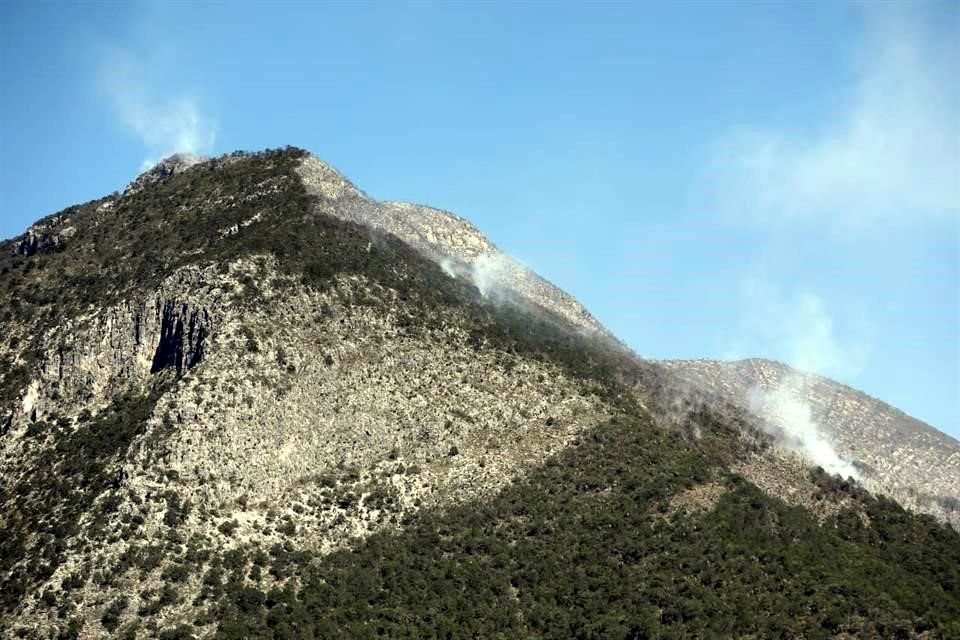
(228, 527)
(575, 551)
(180, 632)
(177, 510)
(111, 617)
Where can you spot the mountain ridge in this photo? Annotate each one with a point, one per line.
(232, 407)
(771, 362)
(896, 453)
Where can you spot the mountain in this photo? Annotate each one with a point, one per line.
(242, 399)
(892, 452)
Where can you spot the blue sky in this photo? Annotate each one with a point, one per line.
(710, 179)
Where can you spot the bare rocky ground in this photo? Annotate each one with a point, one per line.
(310, 420)
(448, 239)
(293, 417)
(894, 453)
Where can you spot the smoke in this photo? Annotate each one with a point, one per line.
(451, 267)
(164, 124)
(493, 274)
(798, 329)
(889, 154)
(789, 420)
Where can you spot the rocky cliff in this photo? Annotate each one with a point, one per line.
(243, 399)
(86, 361)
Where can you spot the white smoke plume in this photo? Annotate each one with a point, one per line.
(165, 124)
(789, 420)
(493, 274)
(799, 329)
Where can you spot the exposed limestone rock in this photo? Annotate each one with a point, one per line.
(48, 234)
(88, 361)
(438, 234)
(171, 165)
(325, 182)
(280, 402)
(299, 406)
(896, 454)
(447, 239)
(182, 331)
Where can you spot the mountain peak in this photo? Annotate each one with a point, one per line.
(249, 395)
(171, 165)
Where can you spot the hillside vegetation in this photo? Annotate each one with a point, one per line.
(320, 434)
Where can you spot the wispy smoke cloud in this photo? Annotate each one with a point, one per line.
(891, 154)
(798, 329)
(503, 280)
(887, 158)
(165, 124)
(789, 420)
(493, 274)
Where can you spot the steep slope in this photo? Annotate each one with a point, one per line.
(894, 453)
(241, 399)
(209, 345)
(459, 247)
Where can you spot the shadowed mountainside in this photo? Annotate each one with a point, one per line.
(242, 400)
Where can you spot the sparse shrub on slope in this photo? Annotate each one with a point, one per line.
(574, 551)
(45, 505)
(583, 547)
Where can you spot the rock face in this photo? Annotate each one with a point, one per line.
(352, 389)
(247, 357)
(182, 332)
(343, 424)
(169, 166)
(268, 398)
(895, 454)
(87, 361)
(46, 235)
(447, 239)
